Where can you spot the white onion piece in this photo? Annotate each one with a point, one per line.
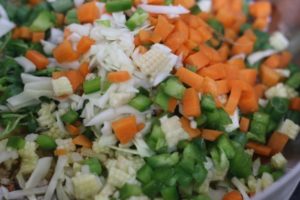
(82, 30)
(28, 78)
(255, 167)
(169, 10)
(48, 47)
(3, 13)
(7, 155)
(78, 2)
(21, 100)
(20, 194)
(39, 172)
(241, 188)
(259, 55)
(39, 85)
(102, 101)
(6, 26)
(283, 72)
(56, 36)
(70, 65)
(27, 65)
(59, 168)
(160, 77)
(106, 115)
(205, 5)
(234, 122)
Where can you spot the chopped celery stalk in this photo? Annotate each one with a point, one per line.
(277, 107)
(201, 197)
(145, 174)
(208, 102)
(129, 190)
(94, 165)
(192, 151)
(71, 17)
(70, 117)
(91, 86)
(294, 80)
(225, 144)
(62, 5)
(241, 164)
(195, 9)
(169, 193)
(164, 175)
(118, 5)
(174, 88)
(162, 100)
(277, 174)
(163, 160)
(264, 168)
(200, 173)
(105, 23)
(183, 177)
(261, 117)
(156, 139)
(44, 21)
(151, 189)
(15, 142)
(46, 142)
(141, 102)
(201, 120)
(137, 19)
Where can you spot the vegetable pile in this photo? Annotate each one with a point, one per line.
(138, 100)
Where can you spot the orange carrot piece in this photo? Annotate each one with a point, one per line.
(76, 78)
(230, 34)
(64, 52)
(260, 23)
(88, 12)
(125, 129)
(248, 75)
(239, 63)
(184, 51)
(60, 19)
(60, 152)
(212, 54)
(183, 29)
(198, 60)
(295, 104)
(205, 33)
(16, 33)
(142, 49)
(34, 2)
(223, 87)
(118, 77)
(210, 86)
(84, 44)
(163, 27)
(83, 141)
(248, 102)
(37, 58)
(243, 45)
(285, 58)
(269, 77)
(226, 17)
(155, 2)
(194, 35)
(84, 69)
(277, 142)
(223, 50)
(233, 99)
(233, 195)
(140, 126)
(216, 71)
(244, 124)
(210, 135)
(191, 103)
(190, 78)
(185, 3)
(232, 72)
(273, 61)
(145, 36)
(260, 90)
(193, 132)
(58, 74)
(259, 149)
(260, 9)
(174, 40)
(37, 36)
(73, 130)
(172, 103)
(25, 33)
(155, 38)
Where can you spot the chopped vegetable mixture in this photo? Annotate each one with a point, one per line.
(143, 99)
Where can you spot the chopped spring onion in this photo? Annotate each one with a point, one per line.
(45, 142)
(91, 86)
(118, 5)
(16, 142)
(70, 117)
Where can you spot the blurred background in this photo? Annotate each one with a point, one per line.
(286, 18)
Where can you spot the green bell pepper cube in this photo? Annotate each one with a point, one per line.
(294, 80)
(241, 164)
(174, 88)
(118, 5)
(208, 102)
(162, 99)
(94, 165)
(137, 19)
(145, 174)
(141, 102)
(91, 86)
(129, 190)
(163, 160)
(169, 193)
(70, 117)
(15, 142)
(225, 144)
(46, 142)
(71, 17)
(44, 21)
(62, 5)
